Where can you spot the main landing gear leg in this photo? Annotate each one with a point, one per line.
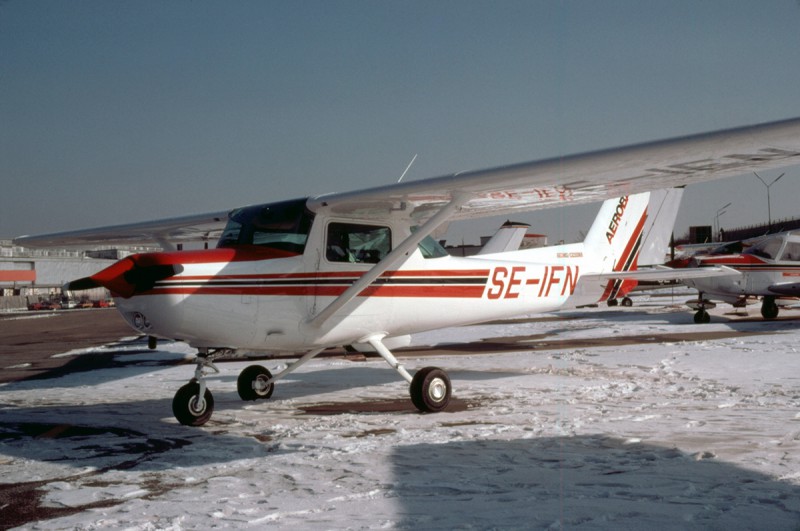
(430, 387)
(193, 404)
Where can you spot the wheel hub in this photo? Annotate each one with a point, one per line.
(197, 405)
(437, 390)
(260, 384)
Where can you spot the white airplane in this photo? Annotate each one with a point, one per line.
(360, 267)
(770, 269)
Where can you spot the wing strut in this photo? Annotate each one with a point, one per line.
(391, 259)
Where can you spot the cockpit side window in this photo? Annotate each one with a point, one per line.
(357, 243)
(277, 225)
(792, 252)
(766, 249)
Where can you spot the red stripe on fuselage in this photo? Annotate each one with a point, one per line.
(327, 291)
(454, 273)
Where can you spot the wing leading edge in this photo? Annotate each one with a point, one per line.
(163, 232)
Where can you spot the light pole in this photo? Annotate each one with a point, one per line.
(769, 208)
(716, 219)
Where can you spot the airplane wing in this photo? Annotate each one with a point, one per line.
(560, 181)
(583, 178)
(163, 232)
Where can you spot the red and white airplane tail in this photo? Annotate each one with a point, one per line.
(614, 242)
(615, 238)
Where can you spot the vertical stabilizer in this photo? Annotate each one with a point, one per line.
(615, 239)
(661, 214)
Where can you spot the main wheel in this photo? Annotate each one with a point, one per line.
(252, 383)
(627, 302)
(702, 317)
(189, 408)
(430, 389)
(769, 310)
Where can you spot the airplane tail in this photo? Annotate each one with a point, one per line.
(507, 238)
(661, 214)
(615, 240)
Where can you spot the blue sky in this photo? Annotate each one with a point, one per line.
(114, 112)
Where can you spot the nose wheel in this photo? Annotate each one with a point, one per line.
(702, 306)
(702, 317)
(191, 405)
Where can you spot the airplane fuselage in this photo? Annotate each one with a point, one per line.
(266, 305)
(285, 279)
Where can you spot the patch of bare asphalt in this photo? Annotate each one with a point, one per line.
(396, 405)
(545, 342)
(21, 503)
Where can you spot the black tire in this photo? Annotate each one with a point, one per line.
(702, 317)
(769, 310)
(430, 390)
(612, 302)
(627, 302)
(185, 402)
(250, 383)
(152, 342)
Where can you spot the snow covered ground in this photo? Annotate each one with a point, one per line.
(647, 429)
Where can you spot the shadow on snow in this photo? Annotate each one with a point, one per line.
(582, 482)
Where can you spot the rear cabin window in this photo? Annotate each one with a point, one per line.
(766, 249)
(792, 252)
(357, 243)
(282, 226)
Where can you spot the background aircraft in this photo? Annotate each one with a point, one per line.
(770, 269)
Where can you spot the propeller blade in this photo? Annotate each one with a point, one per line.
(81, 284)
(126, 278)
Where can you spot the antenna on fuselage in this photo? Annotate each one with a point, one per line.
(408, 167)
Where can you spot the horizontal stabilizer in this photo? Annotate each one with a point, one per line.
(666, 273)
(507, 238)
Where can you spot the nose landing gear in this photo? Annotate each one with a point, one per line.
(193, 404)
(701, 316)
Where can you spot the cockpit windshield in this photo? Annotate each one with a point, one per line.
(768, 248)
(282, 225)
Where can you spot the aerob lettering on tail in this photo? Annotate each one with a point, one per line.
(616, 218)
